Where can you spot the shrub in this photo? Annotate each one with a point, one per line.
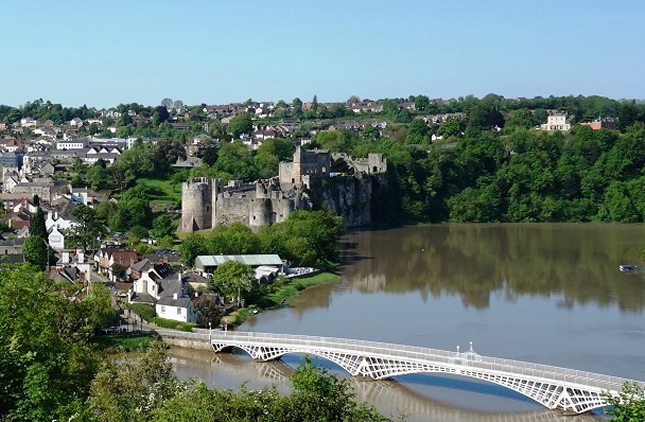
(173, 325)
(145, 311)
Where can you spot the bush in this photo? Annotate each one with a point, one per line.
(173, 325)
(145, 311)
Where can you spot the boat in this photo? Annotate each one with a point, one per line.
(627, 267)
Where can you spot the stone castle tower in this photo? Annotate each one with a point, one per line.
(196, 204)
(208, 202)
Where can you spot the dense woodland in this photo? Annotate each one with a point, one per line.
(524, 176)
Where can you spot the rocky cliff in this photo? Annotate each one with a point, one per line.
(351, 197)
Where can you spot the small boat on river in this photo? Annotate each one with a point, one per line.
(626, 268)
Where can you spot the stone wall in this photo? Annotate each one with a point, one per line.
(187, 343)
(206, 203)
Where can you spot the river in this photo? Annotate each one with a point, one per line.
(545, 293)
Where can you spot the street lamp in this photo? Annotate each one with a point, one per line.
(209, 331)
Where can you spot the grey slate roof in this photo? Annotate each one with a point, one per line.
(143, 297)
(170, 301)
(251, 260)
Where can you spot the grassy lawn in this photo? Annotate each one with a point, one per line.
(296, 285)
(283, 293)
(113, 343)
(166, 189)
(183, 235)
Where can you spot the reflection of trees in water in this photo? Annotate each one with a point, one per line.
(390, 396)
(577, 261)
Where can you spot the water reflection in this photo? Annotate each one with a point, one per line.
(576, 262)
(390, 397)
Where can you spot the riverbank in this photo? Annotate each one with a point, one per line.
(281, 294)
(113, 343)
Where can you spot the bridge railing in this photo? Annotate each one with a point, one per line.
(448, 358)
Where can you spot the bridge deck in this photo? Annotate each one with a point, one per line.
(572, 377)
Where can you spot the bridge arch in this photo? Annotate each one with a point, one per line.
(553, 387)
(546, 394)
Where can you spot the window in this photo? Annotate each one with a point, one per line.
(163, 309)
(178, 310)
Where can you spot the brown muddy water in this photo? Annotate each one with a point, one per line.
(545, 293)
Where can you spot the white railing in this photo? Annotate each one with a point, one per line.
(462, 361)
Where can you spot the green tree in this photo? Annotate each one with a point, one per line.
(87, 231)
(240, 124)
(309, 237)
(296, 104)
(421, 102)
(133, 210)
(97, 176)
(163, 226)
(208, 310)
(35, 250)
(418, 132)
(451, 127)
(193, 246)
(236, 160)
(629, 405)
(134, 163)
(233, 279)
(319, 396)
(37, 227)
(98, 307)
(45, 363)
(314, 104)
(235, 238)
(627, 116)
(128, 390)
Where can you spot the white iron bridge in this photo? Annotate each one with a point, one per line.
(554, 387)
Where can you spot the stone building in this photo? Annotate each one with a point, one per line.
(208, 202)
(557, 121)
(305, 168)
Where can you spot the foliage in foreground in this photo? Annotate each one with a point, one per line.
(629, 405)
(45, 360)
(50, 368)
(148, 390)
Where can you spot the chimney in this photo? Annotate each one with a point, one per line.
(81, 257)
(179, 275)
(65, 258)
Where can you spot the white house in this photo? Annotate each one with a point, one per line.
(56, 239)
(557, 121)
(148, 278)
(169, 294)
(176, 308)
(28, 122)
(55, 220)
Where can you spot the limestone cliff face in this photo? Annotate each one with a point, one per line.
(350, 197)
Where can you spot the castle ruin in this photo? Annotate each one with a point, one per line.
(208, 202)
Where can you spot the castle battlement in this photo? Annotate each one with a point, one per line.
(208, 202)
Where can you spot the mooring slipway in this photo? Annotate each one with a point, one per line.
(554, 387)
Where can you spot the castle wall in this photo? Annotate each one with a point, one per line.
(206, 203)
(233, 208)
(196, 204)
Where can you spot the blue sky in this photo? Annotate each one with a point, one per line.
(102, 53)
